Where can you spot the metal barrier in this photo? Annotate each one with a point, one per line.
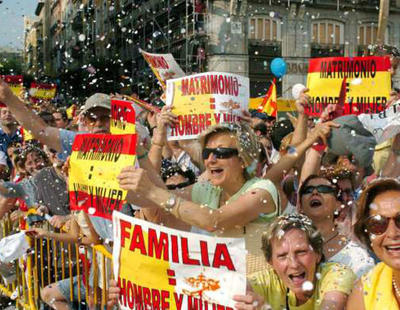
(50, 261)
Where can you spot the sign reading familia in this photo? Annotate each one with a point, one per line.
(163, 268)
(366, 81)
(95, 163)
(206, 99)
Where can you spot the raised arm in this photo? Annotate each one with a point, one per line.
(392, 165)
(28, 118)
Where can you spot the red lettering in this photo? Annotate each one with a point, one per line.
(178, 300)
(185, 254)
(124, 233)
(217, 117)
(192, 89)
(146, 297)
(160, 245)
(222, 257)
(204, 253)
(184, 87)
(174, 244)
(137, 241)
(155, 299)
(164, 300)
(122, 286)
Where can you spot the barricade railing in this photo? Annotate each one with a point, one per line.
(50, 261)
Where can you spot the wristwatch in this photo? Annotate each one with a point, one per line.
(170, 203)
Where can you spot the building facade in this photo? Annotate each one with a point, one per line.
(238, 36)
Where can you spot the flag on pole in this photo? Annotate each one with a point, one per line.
(269, 104)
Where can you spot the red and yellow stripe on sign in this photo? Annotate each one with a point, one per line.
(43, 91)
(95, 163)
(367, 83)
(122, 117)
(15, 83)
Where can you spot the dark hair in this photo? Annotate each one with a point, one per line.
(34, 149)
(368, 195)
(280, 130)
(47, 117)
(285, 223)
(312, 177)
(63, 113)
(169, 169)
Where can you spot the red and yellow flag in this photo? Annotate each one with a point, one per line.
(40, 91)
(15, 83)
(269, 104)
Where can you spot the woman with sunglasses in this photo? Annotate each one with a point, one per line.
(378, 226)
(295, 277)
(318, 199)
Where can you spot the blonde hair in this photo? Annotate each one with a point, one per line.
(249, 147)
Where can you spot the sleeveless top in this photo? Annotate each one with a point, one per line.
(205, 193)
(377, 288)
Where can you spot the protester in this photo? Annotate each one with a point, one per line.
(378, 226)
(61, 119)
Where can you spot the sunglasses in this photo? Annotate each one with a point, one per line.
(220, 152)
(378, 224)
(180, 185)
(322, 189)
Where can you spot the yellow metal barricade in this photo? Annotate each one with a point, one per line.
(50, 261)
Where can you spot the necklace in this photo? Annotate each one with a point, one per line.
(333, 237)
(396, 288)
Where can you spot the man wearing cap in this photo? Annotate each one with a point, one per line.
(96, 111)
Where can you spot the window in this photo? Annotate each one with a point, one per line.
(327, 33)
(265, 29)
(367, 34)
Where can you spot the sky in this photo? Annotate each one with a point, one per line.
(12, 14)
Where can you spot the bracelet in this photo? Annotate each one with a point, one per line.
(143, 155)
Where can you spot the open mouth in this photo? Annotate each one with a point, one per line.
(298, 278)
(395, 249)
(216, 171)
(315, 203)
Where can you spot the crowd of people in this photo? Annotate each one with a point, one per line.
(322, 231)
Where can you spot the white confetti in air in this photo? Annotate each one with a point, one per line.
(307, 286)
(82, 37)
(91, 210)
(357, 81)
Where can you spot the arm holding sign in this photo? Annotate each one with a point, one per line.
(28, 119)
(392, 166)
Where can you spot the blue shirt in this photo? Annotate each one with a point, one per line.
(6, 140)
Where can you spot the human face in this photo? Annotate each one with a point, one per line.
(295, 261)
(387, 245)
(318, 206)
(33, 163)
(59, 121)
(6, 117)
(98, 120)
(223, 172)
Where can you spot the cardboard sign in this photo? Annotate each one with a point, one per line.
(40, 91)
(206, 99)
(367, 83)
(95, 163)
(164, 66)
(15, 83)
(122, 117)
(162, 268)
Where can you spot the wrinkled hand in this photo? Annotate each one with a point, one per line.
(58, 221)
(113, 294)
(250, 301)
(322, 131)
(246, 116)
(303, 101)
(166, 117)
(37, 233)
(42, 210)
(5, 92)
(135, 181)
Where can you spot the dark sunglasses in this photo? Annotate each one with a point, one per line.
(180, 185)
(378, 224)
(220, 152)
(322, 189)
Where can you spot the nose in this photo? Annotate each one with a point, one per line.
(392, 231)
(293, 261)
(211, 157)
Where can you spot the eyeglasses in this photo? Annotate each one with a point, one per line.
(92, 118)
(322, 189)
(378, 224)
(180, 185)
(220, 152)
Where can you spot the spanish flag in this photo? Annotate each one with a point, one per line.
(269, 104)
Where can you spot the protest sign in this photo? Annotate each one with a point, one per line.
(367, 83)
(95, 163)
(383, 125)
(206, 99)
(122, 117)
(15, 83)
(162, 268)
(41, 91)
(164, 66)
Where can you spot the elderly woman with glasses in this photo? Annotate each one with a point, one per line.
(296, 278)
(378, 226)
(318, 199)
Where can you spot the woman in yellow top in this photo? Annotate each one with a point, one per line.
(378, 226)
(296, 279)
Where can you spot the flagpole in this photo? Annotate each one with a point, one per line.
(383, 17)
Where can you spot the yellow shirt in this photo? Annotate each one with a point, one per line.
(333, 277)
(377, 289)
